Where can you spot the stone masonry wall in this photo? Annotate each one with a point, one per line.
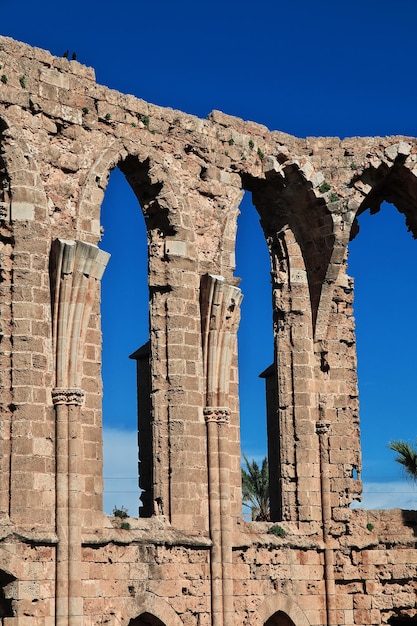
(194, 561)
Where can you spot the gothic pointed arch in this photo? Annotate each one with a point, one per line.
(150, 610)
(387, 173)
(288, 198)
(394, 183)
(152, 182)
(146, 619)
(279, 619)
(392, 179)
(280, 610)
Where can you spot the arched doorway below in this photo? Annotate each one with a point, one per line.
(279, 619)
(146, 619)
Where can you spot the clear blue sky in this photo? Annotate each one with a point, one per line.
(306, 68)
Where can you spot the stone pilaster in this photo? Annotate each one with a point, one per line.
(76, 269)
(220, 318)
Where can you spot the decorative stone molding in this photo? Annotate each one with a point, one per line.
(220, 415)
(76, 268)
(220, 315)
(4, 211)
(322, 427)
(67, 396)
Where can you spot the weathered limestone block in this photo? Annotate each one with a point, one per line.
(193, 561)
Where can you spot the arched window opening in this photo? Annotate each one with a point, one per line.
(279, 619)
(146, 619)
(382, 260)
(125, 328)
(255, 338)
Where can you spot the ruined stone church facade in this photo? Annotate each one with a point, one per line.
(189, 559)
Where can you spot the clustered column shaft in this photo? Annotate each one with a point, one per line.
(220, 318)
(76, 269)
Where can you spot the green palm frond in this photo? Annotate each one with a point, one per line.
(406, 456)
(255, 488)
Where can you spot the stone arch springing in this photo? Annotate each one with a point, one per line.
(288, 199)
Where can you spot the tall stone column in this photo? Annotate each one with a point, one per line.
(220, 310)
(323, 428)
(76, 269)
(67, 404)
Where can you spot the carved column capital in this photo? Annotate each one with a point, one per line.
(220, 313)
(67, 396)
(218, 414)
(323, 427)
(76, 269)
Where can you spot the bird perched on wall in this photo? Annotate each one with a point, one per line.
(66, 53)
(74, 56)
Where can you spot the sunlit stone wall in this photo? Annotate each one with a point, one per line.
(193, 561)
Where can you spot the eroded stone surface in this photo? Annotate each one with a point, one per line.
(194, 562)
